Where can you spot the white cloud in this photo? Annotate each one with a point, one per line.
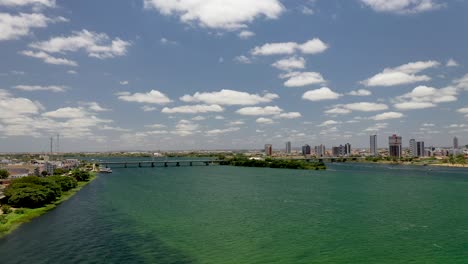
(312, 46)
(387, 115)
(403, 6)
(151, 97)
(16, 26)
(198, 118)
(185, 128)
(452, 63)
(148, 108)
(365, 107)
(329, 123)
(219, 117)
(13, 107)
(243, 59)
(290, 63)
(289, 115)
(338, 111)
(94, 106)
(428, 125)
(218, 14)
(229, 97)
(245, 34)
(236, 123)
(404, 74)
(298, 79)
(193, 109)
(124, 82)
(360, 92)
(259, 111)
(97, 45)
(462, 83)
(166, 41)
(156, 126)
(72, 72)
(51, 88)
(323, 93)
(265, 121)
(222, 131)
(19, 3)
(66, 112)
(47, 58)
(463, 110)
(425, 97)
(376, 127)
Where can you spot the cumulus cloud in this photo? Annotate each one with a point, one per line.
(403, 6)
(51, 88)
(185, 128)
(289, 115)
(66, 112)
(404, 74)
(365, 107)
(12, 107)
(16, 26)
(462, 83)
(463, 110)
(313, 46)
(229, 97)
(221, 131)
(192, 109)
(329, 123)
(376, 127)
(452, 63)
(151, 97)
(245, 34)
(94, 106)
(289, 64)
(360, 92)
(323, 93)
(260, 111)
(337, 111)
(425, 97)
(49, 59)
(299, 79)
(97, 45)
(20, 3)
(218, 14)
(243, 59)
(387, 115)
(265, 121)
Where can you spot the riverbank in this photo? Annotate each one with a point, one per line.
(274, 164)
(23, 215)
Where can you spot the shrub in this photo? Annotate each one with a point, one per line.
(80, 175)
(66, 183)
(6, 209)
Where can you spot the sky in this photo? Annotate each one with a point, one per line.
(221, 74)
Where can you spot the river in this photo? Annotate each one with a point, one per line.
(351, 213)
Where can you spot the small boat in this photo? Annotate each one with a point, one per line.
(105, 170)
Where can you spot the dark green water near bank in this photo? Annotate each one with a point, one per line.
(351, 213)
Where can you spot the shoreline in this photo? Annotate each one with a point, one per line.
(14, 220)
(414, 164)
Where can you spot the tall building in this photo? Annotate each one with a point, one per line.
(373, 145)
(335, 151)
(268, 149)
(288, 147)
(320, 150)
(413, 148)
(394, 146)
(347, 151)
(421, 151)
(455, 146)
(306, 150)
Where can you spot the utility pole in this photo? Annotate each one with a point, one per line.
(58, 143)
(51, 145)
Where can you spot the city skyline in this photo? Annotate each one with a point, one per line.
(152, 75)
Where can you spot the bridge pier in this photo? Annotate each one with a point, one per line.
(139, 164)
(125, 165)
(165, 164)
(207, 163)
(190, 163)
(177, 164)
(152, 164)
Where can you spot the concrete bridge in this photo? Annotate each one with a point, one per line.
(158, 163)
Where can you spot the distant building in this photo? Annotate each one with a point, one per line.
(394, 146)
(347, 151)
(455, 146)
(268, 149)
(335, 151)
(50, 168)
(413, 148)
(320, 150)
(373, 145)
(306, 150)
(421, 151)
(288, 147)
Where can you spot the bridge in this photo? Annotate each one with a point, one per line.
(158, 163)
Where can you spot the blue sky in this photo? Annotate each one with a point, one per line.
(219, 74)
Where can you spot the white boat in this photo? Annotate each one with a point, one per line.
(105, 170)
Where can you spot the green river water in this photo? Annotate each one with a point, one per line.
(351, 213)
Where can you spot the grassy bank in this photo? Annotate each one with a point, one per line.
(24, 215)
(274, 163)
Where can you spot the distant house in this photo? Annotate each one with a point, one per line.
(18, 172)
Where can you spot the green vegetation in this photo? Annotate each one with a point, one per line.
(4, 174)
(273, 163)
(11, 221)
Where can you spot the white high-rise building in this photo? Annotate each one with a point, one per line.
(455, 146)
(373, 145)
(268, 149)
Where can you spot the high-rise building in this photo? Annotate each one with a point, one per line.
(373, 145)
(288, 147)
(455, 146)
(320, 150)
(394, 146)
(335, 151)
(268, 149)
(421, 151)
(306, 150)
(347, 151)
(413, 149)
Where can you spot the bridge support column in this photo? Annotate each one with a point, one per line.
(125, 165)
(177, 164)
(152, 164)
(139, 164)
(190, 163)
(207, 163)
(165, 164)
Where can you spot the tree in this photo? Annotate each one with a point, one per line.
(66, 183)
(80, 175)
(4, 174)
(44, 173)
